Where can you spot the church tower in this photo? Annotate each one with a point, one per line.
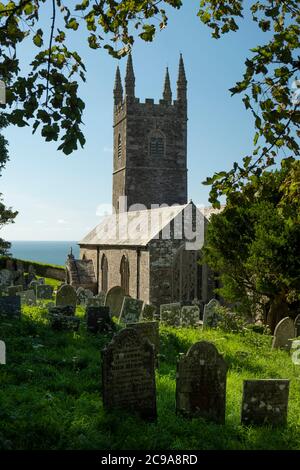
(150, 143)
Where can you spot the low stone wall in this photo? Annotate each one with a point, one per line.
(41, 269)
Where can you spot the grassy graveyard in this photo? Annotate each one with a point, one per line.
(50, 391)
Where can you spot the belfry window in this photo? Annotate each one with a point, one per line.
(119, 146)
(157, 144)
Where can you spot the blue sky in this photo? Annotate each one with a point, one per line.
(57, 196)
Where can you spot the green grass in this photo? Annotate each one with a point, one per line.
(50, 392)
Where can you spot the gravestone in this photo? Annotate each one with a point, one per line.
(128, 374)
(283, 334)
(170, 314)
(67, 310)
(265, 402)
(210, 315)
(83, 295)
(114, 300)
(66, 295)
(297, 325)
(148, 330)
(96, 301)
(2, 352)
(6, 277)
(201, 383)
(44, 291)
(30, 276)
(33, 284)
(148, 312)
(98, 319)
(131, 310)
(61, 322)
(190, 315)
(27, 297)
(12, 290)
(10, 306)
(295, 352)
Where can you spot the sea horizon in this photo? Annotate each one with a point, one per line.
(44, 251)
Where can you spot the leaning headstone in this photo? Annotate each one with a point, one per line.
(44, 291)
(170, 314)
(114, 300)
(12, 290)
(6, 277)
(210, 315)
(148, 312)
(190, 315)
(66, 295)
(297, 325)
(98, 319)
(67, 310)
(283, 334)
(265, 402)
(83, 295)
(131, 310)
(10, 306)
(27, 297)
(201, 383)
(128, 374)
(2, 353)
(148, 330)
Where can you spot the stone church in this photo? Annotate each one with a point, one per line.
(150, 245)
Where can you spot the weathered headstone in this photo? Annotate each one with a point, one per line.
(210, 315)
(6, 277)
(283, 334)
(131, 310)
(98, 319)
(297, 325)
(128, 374)
(10, 306)
(67, 310)
(190, 315)
(83, 295)
(96, 301)
(27, 297)
(201, 383)
(12, 290)
(61, 322)
(30, 276)
(66, 295)
(114, 300)
(44, 291)
(33, 284)
(170, 314)
(2, 352)
(265, 402)
(148, 330)
(148, 312)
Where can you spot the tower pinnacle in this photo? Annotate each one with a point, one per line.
(118, 89)
(129, 79)
(167, 93)
(181, 82)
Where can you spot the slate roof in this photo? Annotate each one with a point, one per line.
(135, 228)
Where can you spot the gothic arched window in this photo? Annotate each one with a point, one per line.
(104, 274)
(124, 271)
(119, 146)
(157, 144)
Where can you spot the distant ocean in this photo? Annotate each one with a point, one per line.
(44, 252)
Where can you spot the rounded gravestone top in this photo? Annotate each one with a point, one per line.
(114, 300)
